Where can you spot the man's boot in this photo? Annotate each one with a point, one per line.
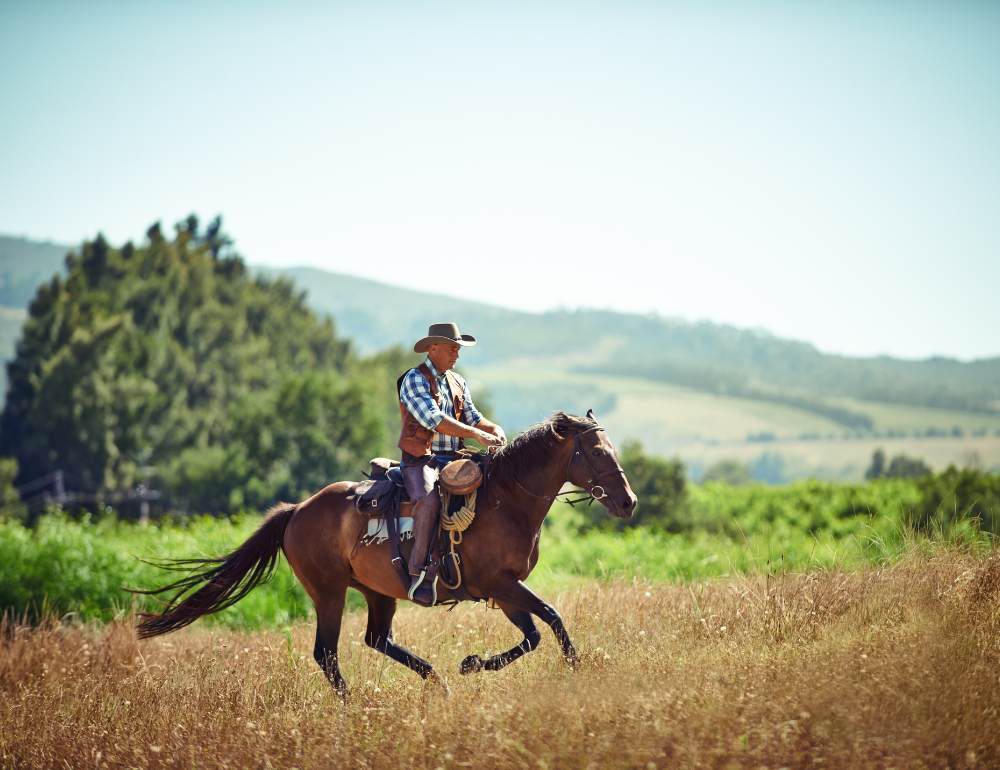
(422, 591)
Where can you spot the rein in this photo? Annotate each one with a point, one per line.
(589, 469)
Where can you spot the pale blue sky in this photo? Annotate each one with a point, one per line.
(826, 171)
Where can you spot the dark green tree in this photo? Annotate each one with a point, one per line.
(11, 506)
(903, 467)
(173, 349)
(877, 468)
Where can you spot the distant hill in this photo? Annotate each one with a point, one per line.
(24, 265)
(703, 356)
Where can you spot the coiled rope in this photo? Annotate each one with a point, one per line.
(455, 524)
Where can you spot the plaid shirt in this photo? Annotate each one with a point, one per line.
(415, 393)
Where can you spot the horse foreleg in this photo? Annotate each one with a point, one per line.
(532, 637)
(378, 636)
(516, 594)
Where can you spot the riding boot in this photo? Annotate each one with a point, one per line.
(425, 515)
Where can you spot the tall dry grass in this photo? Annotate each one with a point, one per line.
(893, 667)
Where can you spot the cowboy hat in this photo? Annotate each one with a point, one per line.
(446, 334)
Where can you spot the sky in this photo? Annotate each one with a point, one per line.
(828, 172)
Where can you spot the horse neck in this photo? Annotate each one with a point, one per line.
(542, 484)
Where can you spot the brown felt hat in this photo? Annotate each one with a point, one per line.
(443, 334)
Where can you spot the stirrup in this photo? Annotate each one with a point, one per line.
(416, 584)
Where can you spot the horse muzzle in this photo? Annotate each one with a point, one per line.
(619, 508)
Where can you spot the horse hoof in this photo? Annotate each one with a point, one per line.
(471, 665)
(435, 677)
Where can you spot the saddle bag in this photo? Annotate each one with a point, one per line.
(460, 477)
(374, 498)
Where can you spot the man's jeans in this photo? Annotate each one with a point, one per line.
(420, 474)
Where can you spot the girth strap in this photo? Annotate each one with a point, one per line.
(392, 529)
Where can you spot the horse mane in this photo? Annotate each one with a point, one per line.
(533, 447)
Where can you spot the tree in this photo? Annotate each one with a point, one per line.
(11, 506)
(729, 472)
(903, 467)
(155, 350)
(877, 468)
(283, 443)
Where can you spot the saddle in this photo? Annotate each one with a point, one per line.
(384, 496)
(383, 491)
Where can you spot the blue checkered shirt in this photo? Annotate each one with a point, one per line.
(415, 393)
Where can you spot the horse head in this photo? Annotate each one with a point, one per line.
(594, 467)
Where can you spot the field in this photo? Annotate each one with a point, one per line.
(702, 427)
(795, 626)
(889, 667)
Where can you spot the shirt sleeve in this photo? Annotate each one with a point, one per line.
(470, 415)
(415, 394)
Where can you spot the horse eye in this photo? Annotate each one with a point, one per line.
(597, 453)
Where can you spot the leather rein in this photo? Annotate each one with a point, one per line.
(591, 494)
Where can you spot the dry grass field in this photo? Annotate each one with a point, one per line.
(892, 667)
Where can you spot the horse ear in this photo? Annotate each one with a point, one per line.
(590, 415)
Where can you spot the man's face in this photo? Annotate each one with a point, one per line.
(444, 357)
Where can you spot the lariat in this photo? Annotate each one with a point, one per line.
(455, 524)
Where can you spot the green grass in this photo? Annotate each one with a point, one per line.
(743, 530)
(78, 567)
(66, 566)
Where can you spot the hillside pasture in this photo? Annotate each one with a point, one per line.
(702, 428)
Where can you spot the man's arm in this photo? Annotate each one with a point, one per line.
(471, 416)
(449, 426)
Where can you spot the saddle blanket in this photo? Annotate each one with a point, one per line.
(378, 531)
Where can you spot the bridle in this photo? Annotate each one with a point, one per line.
(592, 474)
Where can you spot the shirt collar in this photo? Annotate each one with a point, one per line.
(434, 371)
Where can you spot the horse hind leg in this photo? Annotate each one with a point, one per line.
(532, 637)
(378, 636)
(329, 616)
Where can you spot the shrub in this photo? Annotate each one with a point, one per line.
(954, 495)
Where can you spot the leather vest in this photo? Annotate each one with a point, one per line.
(414, 438)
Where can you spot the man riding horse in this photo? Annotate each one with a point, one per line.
(438, 413)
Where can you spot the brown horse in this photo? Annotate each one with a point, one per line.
(500, 548)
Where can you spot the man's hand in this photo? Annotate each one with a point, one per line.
(488, 439)
(486, 433)
(494, 430)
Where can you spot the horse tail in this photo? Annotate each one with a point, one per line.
(224, 581)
